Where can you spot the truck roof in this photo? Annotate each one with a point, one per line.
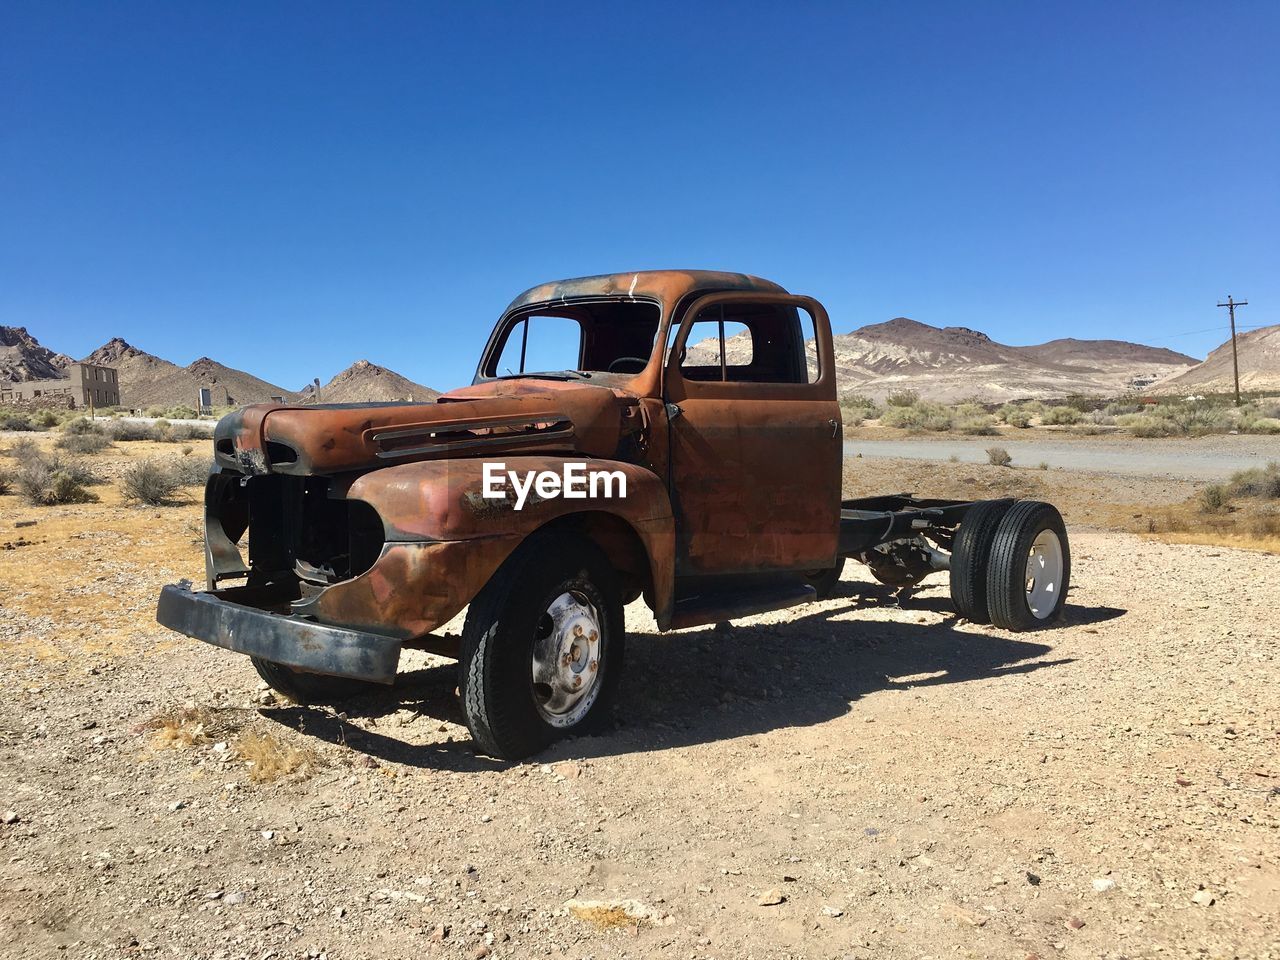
(666, 286)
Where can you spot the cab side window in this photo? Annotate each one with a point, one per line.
(751, 343)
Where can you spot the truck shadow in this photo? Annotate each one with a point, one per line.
(710, 684)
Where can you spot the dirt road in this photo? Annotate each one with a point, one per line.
(903, 785)
(1184, 458)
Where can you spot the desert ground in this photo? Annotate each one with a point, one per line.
(851, 778)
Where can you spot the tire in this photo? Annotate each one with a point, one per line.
(303, 687)
(1030, 568)
(551, 595)
(970, 554)
(824, 582)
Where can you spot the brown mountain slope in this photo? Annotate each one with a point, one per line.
(23, 358)
(135, 368)
(183, 384)
(1259, 366)
(364, 382)
(954, 363)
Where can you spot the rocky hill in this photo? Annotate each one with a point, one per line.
(183, 384)
(137, 370)
(23, 358)
(1259, 367)
(367, 382)
(954, 363)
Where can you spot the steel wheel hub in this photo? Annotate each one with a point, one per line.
(566, 660)
(1044, 574)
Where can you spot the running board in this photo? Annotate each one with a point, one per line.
(720, 605)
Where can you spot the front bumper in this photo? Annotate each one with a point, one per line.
(217, 618)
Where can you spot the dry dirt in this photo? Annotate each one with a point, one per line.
(901, 784)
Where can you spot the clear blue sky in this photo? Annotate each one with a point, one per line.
(291, 187)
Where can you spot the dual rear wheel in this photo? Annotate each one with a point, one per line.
(1011, 564)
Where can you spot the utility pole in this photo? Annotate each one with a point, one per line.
(1235, 357)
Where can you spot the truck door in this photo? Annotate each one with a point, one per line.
(756, 438)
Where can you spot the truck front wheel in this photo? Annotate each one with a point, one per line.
(542, 647)
(303, 687)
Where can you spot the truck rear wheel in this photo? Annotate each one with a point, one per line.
(542, 647)
(1030, 567)
(303, 687)
(824, 581)
(970, 556)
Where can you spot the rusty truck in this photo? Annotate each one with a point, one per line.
(338, 535)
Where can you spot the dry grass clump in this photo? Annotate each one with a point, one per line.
(191, 471)
(1061, 416)
(921, 416)
(1016, 415)
(6, 483)
(23, 449)
(149, 482)
(998, 457)
(51, 479)
(270, 758)
(85, 443)
(1214, 499)
(1263, 482)
(192, 725)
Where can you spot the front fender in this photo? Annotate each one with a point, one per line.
(443, 501)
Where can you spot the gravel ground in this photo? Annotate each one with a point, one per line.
(846, 779)
(1178, 458)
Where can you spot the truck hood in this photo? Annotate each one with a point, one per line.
(480, 421)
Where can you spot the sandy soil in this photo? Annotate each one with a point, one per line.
(904, 784)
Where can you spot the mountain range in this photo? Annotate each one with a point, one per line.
(956, 363)
(938, 363)
(150, 381)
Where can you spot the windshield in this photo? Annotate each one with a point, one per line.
(596, 336)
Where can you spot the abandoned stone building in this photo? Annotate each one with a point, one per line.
(85, 385)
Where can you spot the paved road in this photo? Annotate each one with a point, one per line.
(1200, 458)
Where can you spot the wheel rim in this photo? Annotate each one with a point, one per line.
(1044, 574)
(567, 649)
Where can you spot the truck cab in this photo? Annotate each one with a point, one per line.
(671, 435)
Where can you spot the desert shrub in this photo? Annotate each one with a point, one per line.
(23, 449)
(1082, 404)
(82, 443)
(1060, 416)
(151, 482)
(1035, 407)
(6, 483)
(1044, 465)
(1256, 482)
(1100, 418)
(1268, 425)
(998, 457)
(82, 426)
(1119, 407)
(1145, 425)
(179, 432)
(982, 425)
(1214, 498)
(191, 471)
(965, 410)
(181, 412)
(1015, 416)
(153, 412)
(16, 421)
(45, 418)
(920, 416)
(130, 430)
(902, 398)
(49, 480)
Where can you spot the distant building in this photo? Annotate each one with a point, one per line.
(85, 385)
